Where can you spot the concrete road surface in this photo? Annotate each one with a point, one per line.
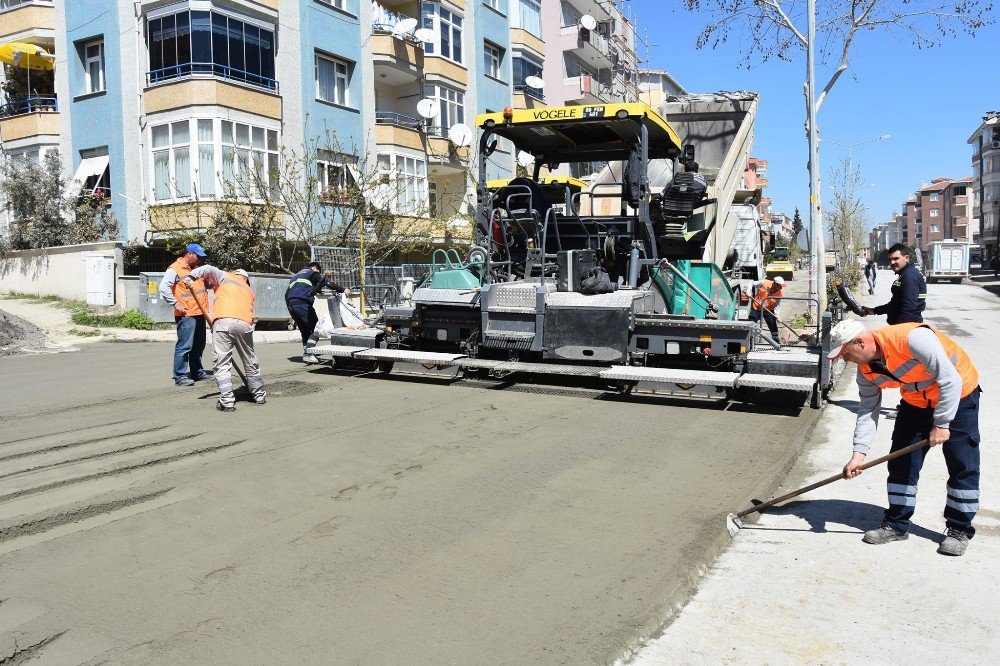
(355, 519)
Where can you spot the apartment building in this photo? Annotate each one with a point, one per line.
(937, 211)
(985, 142)
(882, 237)
(755, 176)
(656, 85)
(160, 103)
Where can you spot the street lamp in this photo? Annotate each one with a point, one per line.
(851, 146)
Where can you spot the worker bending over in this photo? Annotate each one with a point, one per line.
(232, 323)
(939, 388)
(299, 298)
(766, 299)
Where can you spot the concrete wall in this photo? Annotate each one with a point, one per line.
(56, 271)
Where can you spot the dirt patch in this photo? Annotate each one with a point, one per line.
(18, 336)
(290, 389)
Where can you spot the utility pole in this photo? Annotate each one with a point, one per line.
(817, 282)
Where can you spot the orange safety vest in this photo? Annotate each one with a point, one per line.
(234, 299)
(916, 386)
(765, 296)
(189, 298)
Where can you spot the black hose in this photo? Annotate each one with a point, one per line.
(848, 298)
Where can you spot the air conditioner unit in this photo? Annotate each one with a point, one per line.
(995, 144)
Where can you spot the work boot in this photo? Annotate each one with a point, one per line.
(187, 381)
(884, 534)
(309, 358)
(955, 542)
(260, 401)
(222, 408)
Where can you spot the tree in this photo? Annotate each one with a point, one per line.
(47, 210)
(796, 223)
(847, 218)
(775, 28)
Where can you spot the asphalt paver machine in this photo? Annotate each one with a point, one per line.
(624, 281)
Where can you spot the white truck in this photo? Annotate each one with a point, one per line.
(946, 260)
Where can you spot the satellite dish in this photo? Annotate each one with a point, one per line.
(802, 240)
(525, 159)
(425, 35)
(404, 26)
(588, 21)
(534, 82)
(428, 108)
(460, 135)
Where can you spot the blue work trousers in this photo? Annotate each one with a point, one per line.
(961, 454)
(189, 348)
(304, 316)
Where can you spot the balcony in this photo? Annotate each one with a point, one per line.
(33, 116)
(398, 129)
(584, 89)
(208, 70)
(587, 44)
(26, 17)
(445, 158)
(187, 92)
(398, 58)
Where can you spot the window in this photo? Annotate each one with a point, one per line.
(958, 191)
(406, 180)
(93, 66)
(493, 4)
(935, 212)
(333, 178)
(210, 43)
(523, 68)
(935, 196)
(527, 15)
(248, 157)
(171, 144)
(935, 229)
(451, 105)
(339, 4)
(333, 80)
(447, 28)
(492, 57)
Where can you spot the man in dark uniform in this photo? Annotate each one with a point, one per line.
(299, 298)
(909, 291)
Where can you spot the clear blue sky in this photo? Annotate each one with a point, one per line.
(929, 100)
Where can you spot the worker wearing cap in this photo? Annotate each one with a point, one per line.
(299, 298)
(190, 306)
(939, 387)
(765, 301)
(909, 291)
(233, 320)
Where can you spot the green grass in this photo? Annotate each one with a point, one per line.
(65, 303)
(83, 334)
(800, 321)
(128, 319)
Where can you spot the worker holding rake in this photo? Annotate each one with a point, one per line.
(939, 387)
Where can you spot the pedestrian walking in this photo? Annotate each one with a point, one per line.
(995, 264)
(232, 325)
(909, 291)
(765, 302)
(871, 272)
(299, 298)
(939, 387)
(190, 303)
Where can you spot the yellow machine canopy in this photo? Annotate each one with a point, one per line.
(595, 133)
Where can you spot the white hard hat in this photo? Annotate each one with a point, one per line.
(779, 280)
(843, 333)
(242, 273)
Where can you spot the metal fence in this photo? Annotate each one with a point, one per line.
(381, 282)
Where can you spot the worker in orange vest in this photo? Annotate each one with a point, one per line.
(939, 387)
(766, 298)
(232, 324)
(190, 306)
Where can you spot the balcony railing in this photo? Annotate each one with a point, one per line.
(522, 89)
(385, 20)
(210, 70)
(436, 131)
(29, 105)
(397, 119)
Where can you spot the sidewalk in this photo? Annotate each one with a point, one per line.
(56, 324)
(801, 586)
